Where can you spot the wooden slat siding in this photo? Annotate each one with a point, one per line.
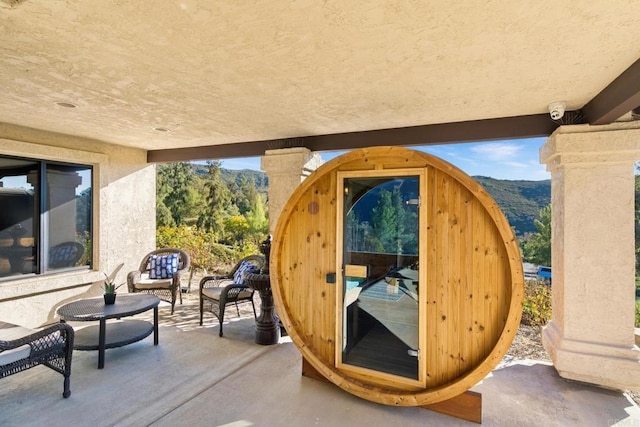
(305, 284)
(489, 290)
(432, 287)
(500, 290)
(453, 260)
(478, 283)
(456, 254)
(292, 291)
(466, 287)
(326, 259)
(301, 288)
(442, 278)
(313, 289)
(460, 270)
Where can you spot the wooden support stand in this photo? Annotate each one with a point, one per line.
(311, 372)
(467, 406)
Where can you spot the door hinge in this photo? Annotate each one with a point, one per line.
(414, 353)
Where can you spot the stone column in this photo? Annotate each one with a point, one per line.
(286, 169)
(591, 335)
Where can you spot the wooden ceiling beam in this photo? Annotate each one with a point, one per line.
(537, 125)
(617, 99)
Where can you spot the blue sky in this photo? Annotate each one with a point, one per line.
(508, 159)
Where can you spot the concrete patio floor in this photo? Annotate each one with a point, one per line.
(195, 378)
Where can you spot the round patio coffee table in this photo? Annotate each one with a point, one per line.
(97, 337)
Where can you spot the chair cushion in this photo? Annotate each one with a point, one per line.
(244, 268)
(214, 293)
(146, 282)
(163, 266)
(10, 332)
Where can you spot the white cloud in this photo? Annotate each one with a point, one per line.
(517, 164)
(242, 163)
(498, 151)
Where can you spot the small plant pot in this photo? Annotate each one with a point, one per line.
(109, 299)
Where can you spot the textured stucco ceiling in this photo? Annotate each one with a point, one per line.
(217, 72)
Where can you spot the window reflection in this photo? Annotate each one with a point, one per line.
(18, 229)
(44, 230)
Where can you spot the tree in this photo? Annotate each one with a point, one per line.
(174, 192)
(388, 220)
(246, 195)
(163, 215)
(218, 198)
(257, 219)
(537, 248)
(237, 228)
(84, 211)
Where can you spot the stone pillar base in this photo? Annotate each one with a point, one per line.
(598, 363)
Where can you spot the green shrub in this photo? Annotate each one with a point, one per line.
(84, 238)
(536, 310)
(205, 253)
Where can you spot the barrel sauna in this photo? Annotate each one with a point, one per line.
(397, 276)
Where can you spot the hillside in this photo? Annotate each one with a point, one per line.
(520, 201)
(229, 176)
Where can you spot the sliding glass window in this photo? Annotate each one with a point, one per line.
(45, 216)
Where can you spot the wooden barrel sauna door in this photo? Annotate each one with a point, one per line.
(397, 276)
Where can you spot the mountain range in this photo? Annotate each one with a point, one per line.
(521, 201)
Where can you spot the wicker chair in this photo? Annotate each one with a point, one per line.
(65, 254)
(166, 286)
(226, 289)
(23, 348)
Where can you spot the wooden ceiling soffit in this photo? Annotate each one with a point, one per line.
(537, 125)
(621, 96)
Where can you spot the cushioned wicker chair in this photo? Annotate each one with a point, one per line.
(222, 290)
(65, 254)
(23, 348)
(160, 273)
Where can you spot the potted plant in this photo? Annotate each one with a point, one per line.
(110, 288)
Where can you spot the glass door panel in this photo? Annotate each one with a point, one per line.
(380, 283)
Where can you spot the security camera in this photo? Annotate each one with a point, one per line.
(556, 110)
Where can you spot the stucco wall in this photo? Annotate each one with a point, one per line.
(124, 220)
